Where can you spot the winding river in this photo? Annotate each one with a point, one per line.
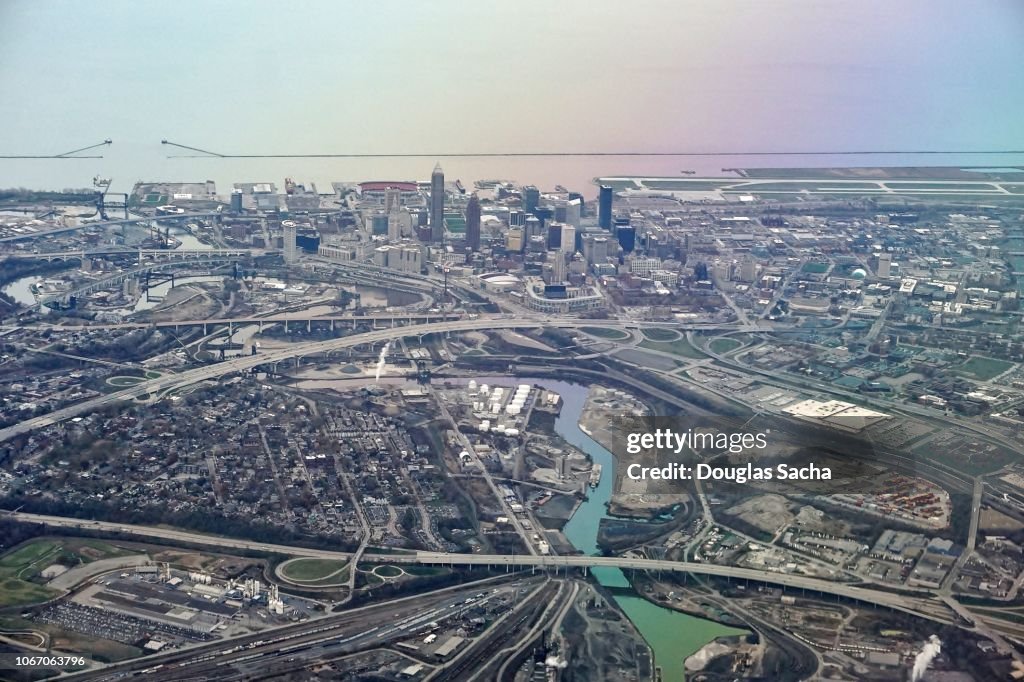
(672, 636)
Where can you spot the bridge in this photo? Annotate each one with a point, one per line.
(232, 322)
(140, 254)
(207, 256)
(929, 607)
(103, 224)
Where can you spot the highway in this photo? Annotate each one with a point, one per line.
(102, 224)
(933, 609)
(243, 363)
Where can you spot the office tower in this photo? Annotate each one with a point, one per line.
(533, 226)
(595, 249)
(627, 237)
(555, 236)
(516, 218)
(558, 267)
(747, 270)
(379, 223)
(568, 240)
(290, 253)
(236, 201)
(604, 208)
(514, 239)
(394, 226)
(531, 198)
(576, 196)
(437, 204)
(392, 200)
(884, 264)
(473, 222)
(573, 212)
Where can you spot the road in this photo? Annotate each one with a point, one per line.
(925, 607)
(243, 363)
(102, 224)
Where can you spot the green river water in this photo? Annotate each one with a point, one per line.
(673, 636)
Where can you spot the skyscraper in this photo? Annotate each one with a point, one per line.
(531, 198)
(473, 222)
(626, 235)
(290, 252)
(884, 264)
(604, 208)
(437, 204)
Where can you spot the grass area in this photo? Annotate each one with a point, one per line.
(723, 345)
(815, 267)
(952, 186)
(17, 568)
(313, 570)
(810, 185)
(606, 333)
(678, 347)
(684, 185)
(388, 571)
(984, 368)
(125, 381)
(660, 334)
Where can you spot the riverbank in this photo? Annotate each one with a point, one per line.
(600, 410)
(672, 635)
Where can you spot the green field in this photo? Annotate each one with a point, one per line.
(815, 267)
(606, 333)
(984, 368)
(723, 345)
(125, 381)
(678, 347)
(660, 334)
(18, 567)
(387, 571)
(315, 570)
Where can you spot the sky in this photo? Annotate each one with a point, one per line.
(379, 77)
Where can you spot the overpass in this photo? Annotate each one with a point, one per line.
(139, 254)
(113, 280)
(298, 350)
(244, 363)
(231, 322)
(103, 224)
(927, 607)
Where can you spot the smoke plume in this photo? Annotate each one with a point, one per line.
(924, 659)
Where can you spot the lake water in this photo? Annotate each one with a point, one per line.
(240, 77)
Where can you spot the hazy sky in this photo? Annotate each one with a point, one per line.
(321, 77)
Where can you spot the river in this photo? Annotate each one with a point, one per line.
(21, 290)
(673, 636)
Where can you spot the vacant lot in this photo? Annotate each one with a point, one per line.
(984, 368)
(314, 570)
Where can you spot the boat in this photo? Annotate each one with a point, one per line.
(595, 476)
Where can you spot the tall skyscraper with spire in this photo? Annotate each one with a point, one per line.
(437, 204)
(473, 222)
